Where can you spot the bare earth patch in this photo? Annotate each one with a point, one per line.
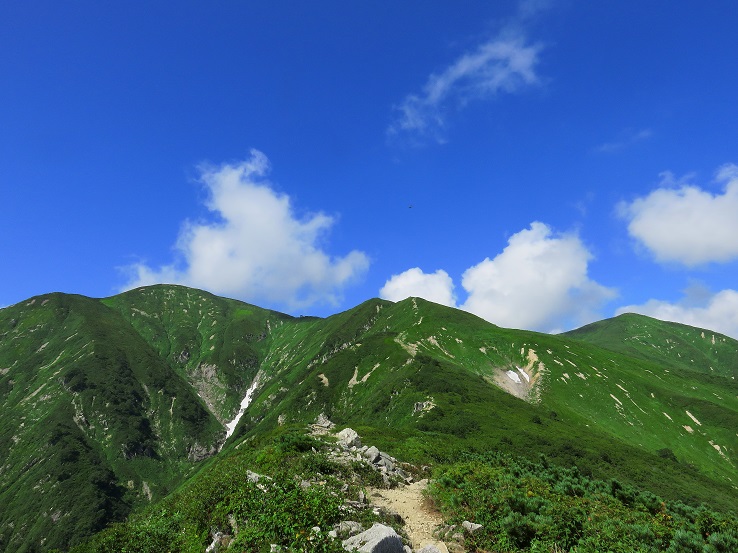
(409, 502)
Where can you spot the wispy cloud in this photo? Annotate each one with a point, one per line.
(503, 64)
(626, 139)
(255, 248)
(680, 222)
(538, 282)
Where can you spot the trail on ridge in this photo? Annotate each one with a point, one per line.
(408, 502)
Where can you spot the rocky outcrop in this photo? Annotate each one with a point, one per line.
(349, 449)
(378, 539)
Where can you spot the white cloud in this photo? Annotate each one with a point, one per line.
(503, 64)
(718, 312)
(255, 249)
(686, 224)
(436, 287)
(626, 139)
(538, 282)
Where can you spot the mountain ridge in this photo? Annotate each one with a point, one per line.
(171, 366)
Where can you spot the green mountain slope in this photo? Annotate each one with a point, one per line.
(670, 344)
(93, 421)
(416, 367)
(116, 400)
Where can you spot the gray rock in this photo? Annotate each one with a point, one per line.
(349, 438)
(255, 477)
(471, 527)
(378, 539)
(323, 421)
(372, 454)
(386, 461)
(430, 549)
(220, 541)
(347, 528)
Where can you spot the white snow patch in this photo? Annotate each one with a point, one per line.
(513, 376)
(668, 417)
(523, 374)
(558, 362)
(483, 350)
(580, 375)
(688, 428)
(231, 426)
(616, 399)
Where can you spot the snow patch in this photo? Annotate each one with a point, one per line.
(668, 417)
(231, 426)
(513, 376)
(523, 374)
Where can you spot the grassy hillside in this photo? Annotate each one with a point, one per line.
(119, 399)
(93, 422)
(303, 489)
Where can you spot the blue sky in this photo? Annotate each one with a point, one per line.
(541, 164)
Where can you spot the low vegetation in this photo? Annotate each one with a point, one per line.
(525, 506)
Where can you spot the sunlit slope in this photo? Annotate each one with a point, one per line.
(215, 344)
(115, 400)
(421, 366)
(665, 343)
(93, 420)
(674, 385)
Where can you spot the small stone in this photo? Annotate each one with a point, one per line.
(471, 527)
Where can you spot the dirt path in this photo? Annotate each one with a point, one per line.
(409, 503)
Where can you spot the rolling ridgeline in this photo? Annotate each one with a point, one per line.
(111, 407)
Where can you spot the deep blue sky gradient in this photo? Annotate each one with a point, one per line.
(107, 109)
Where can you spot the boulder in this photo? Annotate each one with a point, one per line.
(372, 454)
(386, 461)
(348, 438)
(430, 549)
(378, 539)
